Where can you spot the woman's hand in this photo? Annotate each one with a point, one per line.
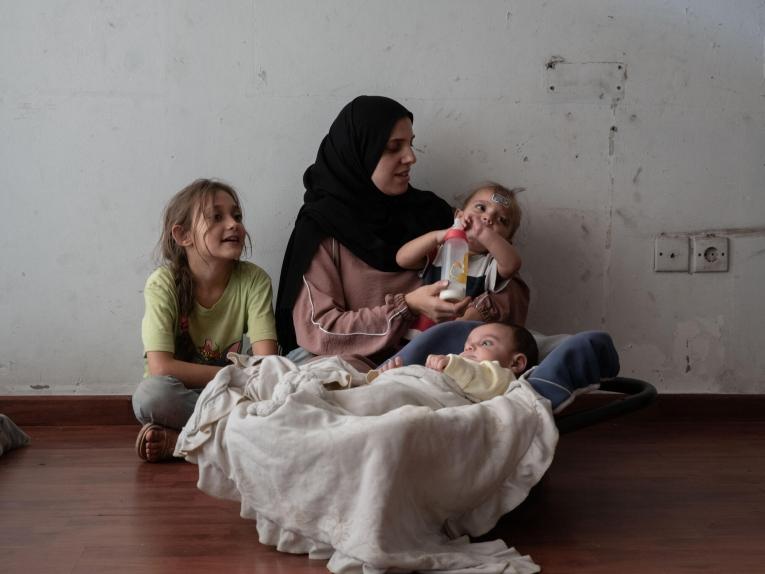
(393, 363)
(425, 301)
(437, 362)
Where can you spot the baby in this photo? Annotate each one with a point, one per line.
(495, 355)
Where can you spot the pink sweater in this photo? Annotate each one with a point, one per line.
(347, 307)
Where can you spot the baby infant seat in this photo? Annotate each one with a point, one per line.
(393, 476)
(569, 365)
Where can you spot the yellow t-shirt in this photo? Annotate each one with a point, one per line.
(244, 308)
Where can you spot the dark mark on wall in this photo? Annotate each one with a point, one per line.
(611, 136)
(687, 363)
(39, 387)
(637, 174)
(554, 61)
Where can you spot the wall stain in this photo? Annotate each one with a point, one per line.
(554, 61)
(611, 137)
(729, 231)
(628, 221)
(585, 230)
(39, 387)
(687, 363)
(637, 174)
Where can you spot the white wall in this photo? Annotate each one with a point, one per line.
(107, 108)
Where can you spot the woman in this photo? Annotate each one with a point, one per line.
(340, 290)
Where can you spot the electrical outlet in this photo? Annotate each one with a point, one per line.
(670, 254)
(708, 254)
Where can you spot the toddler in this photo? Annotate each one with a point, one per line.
(490, 217)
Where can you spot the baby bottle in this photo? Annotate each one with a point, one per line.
(454, 263)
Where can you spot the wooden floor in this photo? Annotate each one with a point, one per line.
(640, 495)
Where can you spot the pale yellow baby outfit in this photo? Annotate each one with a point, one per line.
(480, 381)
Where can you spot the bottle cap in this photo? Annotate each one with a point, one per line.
(454, 232)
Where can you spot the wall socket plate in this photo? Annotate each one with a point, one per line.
(709, 254)
(670, 254)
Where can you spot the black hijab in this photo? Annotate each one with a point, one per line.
(342, 202)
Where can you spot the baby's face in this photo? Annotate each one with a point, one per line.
(484, 211)
(490, 343)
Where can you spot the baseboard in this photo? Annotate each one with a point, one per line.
(55, 410)
(701, 407)
(78, 410)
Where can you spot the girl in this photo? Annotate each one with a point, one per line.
(199, 305)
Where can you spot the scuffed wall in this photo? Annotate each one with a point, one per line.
(107, 108)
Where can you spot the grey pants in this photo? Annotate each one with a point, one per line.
(165, 401)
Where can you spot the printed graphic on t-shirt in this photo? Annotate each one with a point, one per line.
(207, 354)
(211, 354)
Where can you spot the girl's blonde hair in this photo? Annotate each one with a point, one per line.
(186, 208)
(510, 194)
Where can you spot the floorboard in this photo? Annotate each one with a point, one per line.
(627, 496)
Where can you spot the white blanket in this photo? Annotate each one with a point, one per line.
(386, 477)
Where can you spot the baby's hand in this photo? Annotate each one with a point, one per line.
(437, 362)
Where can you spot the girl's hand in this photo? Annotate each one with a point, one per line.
(425, 301)
(437, 362)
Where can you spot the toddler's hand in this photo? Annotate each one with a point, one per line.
(437, 362)
(477, 229)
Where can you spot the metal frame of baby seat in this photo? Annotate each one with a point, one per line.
(636, 395)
